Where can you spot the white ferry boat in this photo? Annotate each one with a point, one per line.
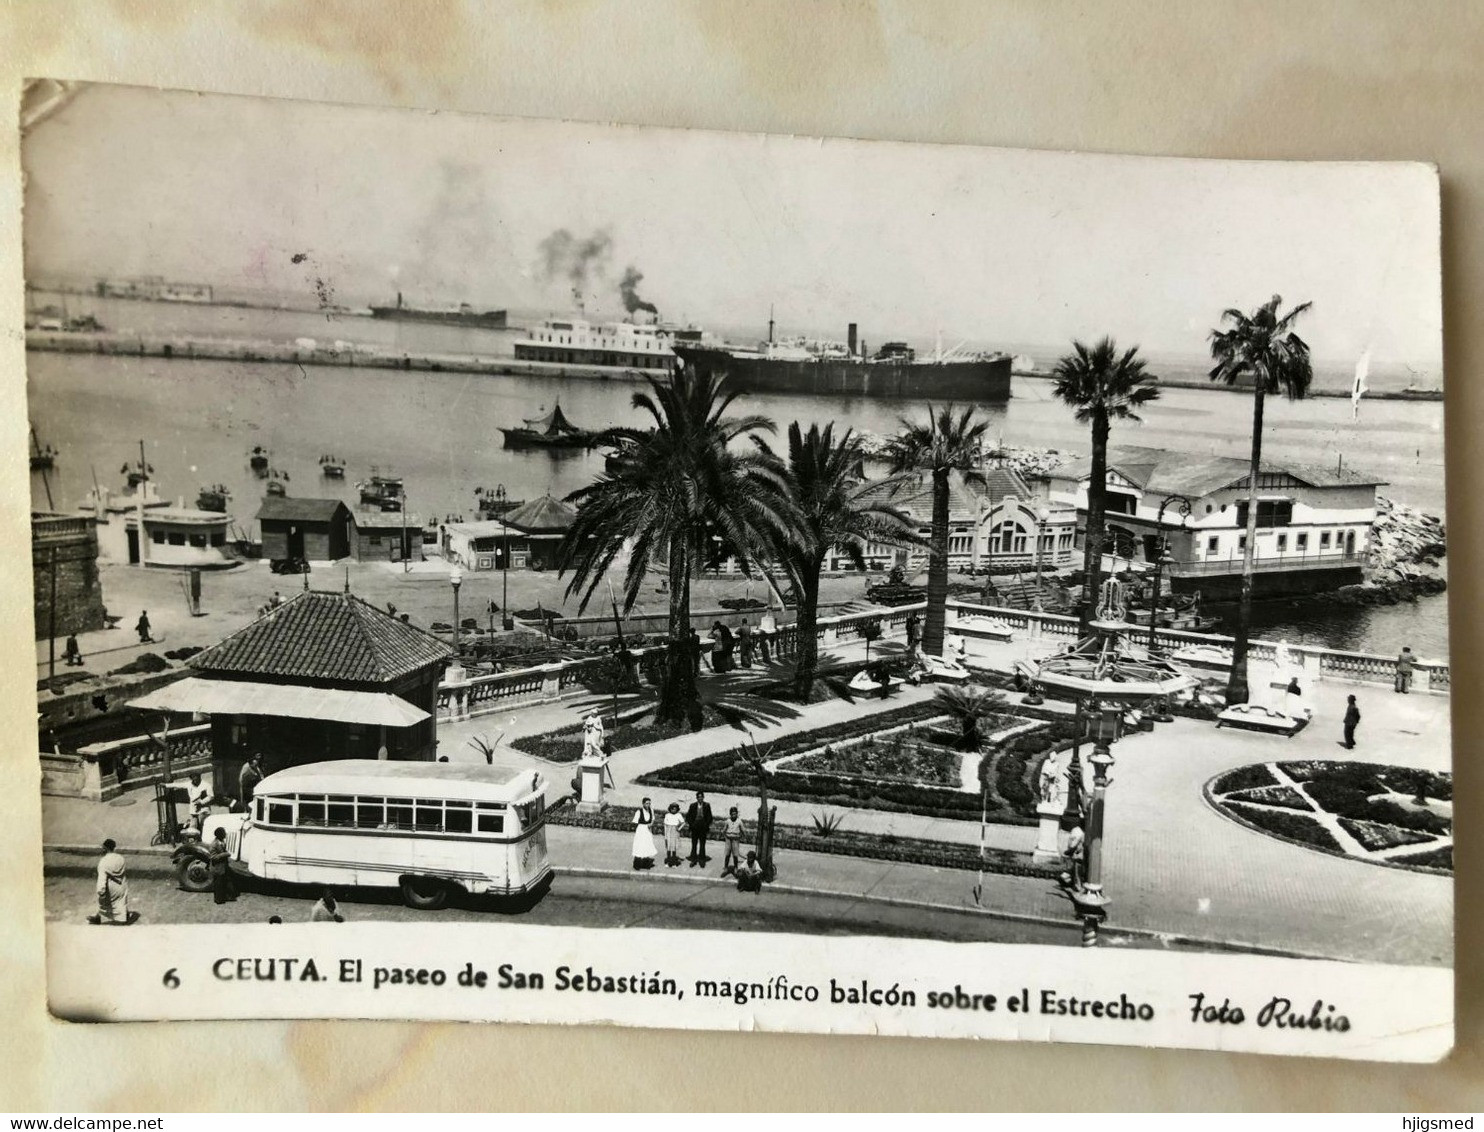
(621, 345)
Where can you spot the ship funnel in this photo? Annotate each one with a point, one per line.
(850, 339)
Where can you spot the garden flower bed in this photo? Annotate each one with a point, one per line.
(1006, 771)
(1359, 810)
(898, 758)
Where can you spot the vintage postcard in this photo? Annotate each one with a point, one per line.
(534, 571)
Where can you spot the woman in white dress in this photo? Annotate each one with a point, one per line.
(643, 836)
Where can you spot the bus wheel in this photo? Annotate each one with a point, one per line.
(424, 893)
(194, 875)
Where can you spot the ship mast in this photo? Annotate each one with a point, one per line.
(770, 324)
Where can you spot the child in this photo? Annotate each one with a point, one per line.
(673, 821)
(750, 875)
(732, 831)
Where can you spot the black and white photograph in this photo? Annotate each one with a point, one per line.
(908, 589)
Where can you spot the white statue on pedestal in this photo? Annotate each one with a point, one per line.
(592, 737)
(1053, 783)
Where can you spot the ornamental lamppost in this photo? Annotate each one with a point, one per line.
(502, 501)
(1105, 718)
(455, 579)
(1162, 558)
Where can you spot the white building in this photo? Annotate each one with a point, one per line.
(1312, 523)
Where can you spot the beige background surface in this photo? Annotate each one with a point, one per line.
(1267, 79)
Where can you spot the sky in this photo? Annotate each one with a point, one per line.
(984, 245)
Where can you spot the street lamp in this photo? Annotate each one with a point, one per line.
(502, 501)
(1041, 515)
(1105, 721)
(1162, 558)
(455, 579)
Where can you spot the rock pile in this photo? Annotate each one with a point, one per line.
(1405, 544)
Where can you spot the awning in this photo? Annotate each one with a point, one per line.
(245, 697)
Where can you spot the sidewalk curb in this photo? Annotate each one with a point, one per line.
(694, 881)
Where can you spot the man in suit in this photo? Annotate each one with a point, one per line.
(698, 817)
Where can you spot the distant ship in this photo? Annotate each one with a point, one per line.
(553, 430)
(461, 315)
(845, 368)
(626, 346)
(382, 491)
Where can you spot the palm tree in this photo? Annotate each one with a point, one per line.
(838, 509)
(944, 443)
(670, 492)
(1102, 386)
(1264, 348)
(971, 705)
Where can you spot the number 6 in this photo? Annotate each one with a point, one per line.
(171, 980)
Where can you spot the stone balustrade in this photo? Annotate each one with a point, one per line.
(101, 771)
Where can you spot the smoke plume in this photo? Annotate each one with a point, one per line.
(628, 287)
(565, 257)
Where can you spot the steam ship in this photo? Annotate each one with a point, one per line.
(461, 315)
(846, 369)
(621, 345)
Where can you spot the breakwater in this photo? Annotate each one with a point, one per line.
(1217, 387)
(350, 355)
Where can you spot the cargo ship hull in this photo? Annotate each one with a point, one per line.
(979, 380)
(489, 320)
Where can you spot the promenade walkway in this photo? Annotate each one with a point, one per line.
(1172, 864)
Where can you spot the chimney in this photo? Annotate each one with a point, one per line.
(850, 339)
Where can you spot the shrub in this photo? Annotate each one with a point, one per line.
(1375, 836)
(1285, 796)
(1434, 859)
(1243, 778)
(1295, 827)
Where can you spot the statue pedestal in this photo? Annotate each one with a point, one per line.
(591, 775)
(1050, 815)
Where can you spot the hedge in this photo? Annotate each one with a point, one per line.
(1433, 859)
(1285, 796)
(1375, 836)
(1243, 778)
(1294, 827)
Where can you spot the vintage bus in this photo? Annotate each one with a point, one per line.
(431, 829)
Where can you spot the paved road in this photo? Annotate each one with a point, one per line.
(585, 901)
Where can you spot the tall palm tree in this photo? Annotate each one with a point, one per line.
(1102, 386)
(946, 442)
(669, 493)
(838, 509)
(1264, 348)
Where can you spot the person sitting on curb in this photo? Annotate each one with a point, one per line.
(326, 910)
(750, 875)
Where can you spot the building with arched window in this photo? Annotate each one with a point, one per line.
(1313, 523)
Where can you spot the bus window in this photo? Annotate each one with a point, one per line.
(458, 817)
(259, 802)
(430, 816)
(311, 809)
(281, 811)
(342, 812)
(370, 812)
(399, 813)
(531, 812)
(491, 818)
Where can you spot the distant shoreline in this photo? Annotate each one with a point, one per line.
(1212, 387)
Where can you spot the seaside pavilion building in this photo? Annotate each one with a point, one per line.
(1313, 523)
(531, 535)
(323, 676)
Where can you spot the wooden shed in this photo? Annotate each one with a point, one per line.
(319, 530)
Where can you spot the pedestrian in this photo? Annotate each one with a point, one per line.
(744, 646)
(628, 670)
(1404, 671)
(74, 654)
(914, 631)
(142, 628)
(326, 910)
(222, 888)
(1293, 698)
(1352, 721)
(696, 649)
(278, 600)
(762, 635)
(248, 778)
(750, 875)
(113, 888)
(732, 831)
(644, 836)
(1073, 852)
(673, 822)
(198, 794)
(698, 818)
(721, 650)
